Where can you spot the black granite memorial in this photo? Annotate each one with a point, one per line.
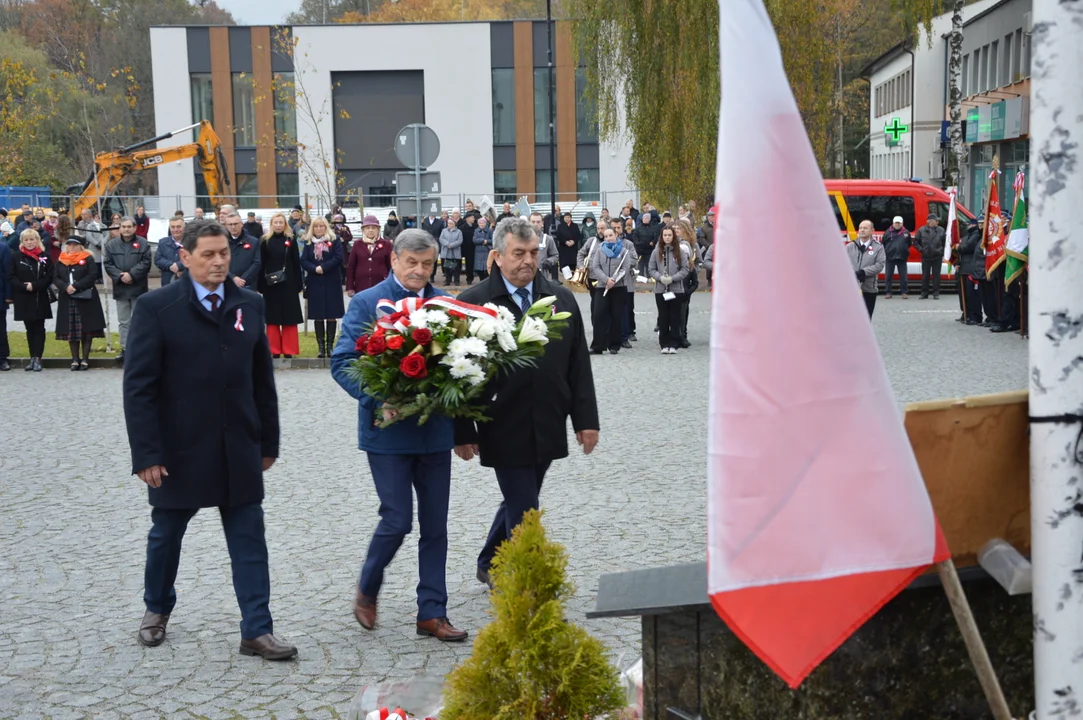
(907, 663)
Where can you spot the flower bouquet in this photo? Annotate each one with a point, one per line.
(435, 356)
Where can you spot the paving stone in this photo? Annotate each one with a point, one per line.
(73, 527)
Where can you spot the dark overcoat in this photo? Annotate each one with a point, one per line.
(83, 277)
(324, 291)
(283, 301)
(244, 259)
(199, 396)
(529, 409)
(31, 304)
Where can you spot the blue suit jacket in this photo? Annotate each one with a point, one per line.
(405, 437)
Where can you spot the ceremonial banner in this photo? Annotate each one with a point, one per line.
(1019, 238)
(953, 227)
(817, 514)
(992, 233)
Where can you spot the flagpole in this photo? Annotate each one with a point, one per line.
(1056, 378)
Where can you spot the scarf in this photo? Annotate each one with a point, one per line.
(612, 249)
(73, 258)
(34, 252)
(320, 246)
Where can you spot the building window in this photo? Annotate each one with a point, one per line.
(1006, 61)
(202, 98)
(586, 110)
(975, 66)
(1017, 60)
(983, 73)
(994, 65)
(285, 111)
(289, 190)
(963, 88)
(504, 106)
(542, 186)
(587, 184)
(541, 106)
(247, 186)
(244, 111)
(504, 185)
(1026, 57)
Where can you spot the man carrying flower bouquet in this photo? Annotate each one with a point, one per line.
(528, 408)
(404, 457)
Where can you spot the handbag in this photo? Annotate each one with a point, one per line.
(275, 278)
(53, 297)
(85, 294)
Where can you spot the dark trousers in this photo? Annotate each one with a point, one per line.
(482, 274)
(243, 526)
(990, 299)
(5, 349)
(594, 292)
(521, 487)
(870, 302)
(669, 321)
(973, 299)
(468, 261)
(1010, 307)
(452, 268)
(608, 318)
(889, 271)
(397, 478)
(930, 271)
(685, 299)
(629, 315)
(35, 337)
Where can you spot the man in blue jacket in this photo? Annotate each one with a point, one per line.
(404, 457)
(6, 298)
(167, 256)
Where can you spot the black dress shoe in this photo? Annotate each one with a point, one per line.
(626, 345)
(973, 322)
(633, 337)
(4, 366)
(268, 647)
(152, 629)
(614, 351)
(483, 577)
(597, 352)
(1004, 329)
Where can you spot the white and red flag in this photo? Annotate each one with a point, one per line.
(817, 512)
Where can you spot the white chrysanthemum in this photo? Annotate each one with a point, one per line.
(484, 330)
(439, 318)
(533, 331)
(462, 367)
(505, 315)
(419, 318)
(468, 346)
(506, 340)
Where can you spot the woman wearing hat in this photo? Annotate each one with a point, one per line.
(31, 274)
(79, 315)
(392, 227)
(370, 258)
(322, 260)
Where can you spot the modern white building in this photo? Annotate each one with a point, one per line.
(482, 87)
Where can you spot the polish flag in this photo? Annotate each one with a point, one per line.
(817, 512)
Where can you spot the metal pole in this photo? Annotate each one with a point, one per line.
(1056, 376)
(418, 194)
(552, 119)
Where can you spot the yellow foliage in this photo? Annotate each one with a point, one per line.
(413, 11)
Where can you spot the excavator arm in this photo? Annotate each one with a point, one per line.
(111, 168)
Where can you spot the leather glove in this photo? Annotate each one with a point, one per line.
(861, 276)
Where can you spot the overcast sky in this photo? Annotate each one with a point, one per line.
(259, 12)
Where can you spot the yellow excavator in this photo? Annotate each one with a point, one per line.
(113, 167)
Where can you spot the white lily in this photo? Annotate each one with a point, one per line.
(540, 306)
(484, 330)
(533, 331)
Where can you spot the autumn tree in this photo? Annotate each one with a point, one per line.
(27, 155)
(407, 11)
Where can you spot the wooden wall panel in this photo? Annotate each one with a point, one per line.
(266, 177)
(222, 92)
(565, 101)
(523, 33)
(974, 455)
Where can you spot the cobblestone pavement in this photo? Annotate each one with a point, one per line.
(73, 524)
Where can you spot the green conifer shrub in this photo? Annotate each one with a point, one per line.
(529, 663)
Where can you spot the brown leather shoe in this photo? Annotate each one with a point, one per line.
(268, 647)
(364, 609)
(152, 629)
(441, 629)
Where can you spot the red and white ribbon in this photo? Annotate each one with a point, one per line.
(1020, 182)
(237, 325)
(396, 315)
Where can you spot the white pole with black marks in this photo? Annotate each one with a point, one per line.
(1056, 356)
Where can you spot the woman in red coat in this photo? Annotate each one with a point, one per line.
(370, 258)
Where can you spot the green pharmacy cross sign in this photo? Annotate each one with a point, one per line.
(894, 131)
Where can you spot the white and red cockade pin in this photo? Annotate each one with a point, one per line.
(82, 262)
(237, 325)
(247, 246)
(135, 245)
(287, 243)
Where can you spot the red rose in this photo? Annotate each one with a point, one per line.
(422, 336)
(395, 342)
(413, 366)
(362, 343)
(377, 345)
(380, 331)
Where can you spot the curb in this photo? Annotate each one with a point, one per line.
(112, 364)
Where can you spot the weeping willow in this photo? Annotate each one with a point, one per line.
(653, 69)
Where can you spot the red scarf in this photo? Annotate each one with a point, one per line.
(32, 252)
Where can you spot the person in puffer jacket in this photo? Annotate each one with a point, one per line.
(896, 242)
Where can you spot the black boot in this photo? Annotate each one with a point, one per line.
(332, 333)
(319, 340)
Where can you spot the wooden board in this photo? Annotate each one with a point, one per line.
(974, 454)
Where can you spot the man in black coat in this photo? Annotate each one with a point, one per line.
(202, 415)
(244, 253)
(529, 408)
